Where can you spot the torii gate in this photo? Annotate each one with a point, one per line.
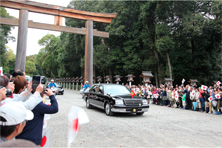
(25, 6)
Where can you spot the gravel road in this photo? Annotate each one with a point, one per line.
(159, 127)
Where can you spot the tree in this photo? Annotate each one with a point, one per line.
(5, 32)
(50, 43)
(9, 60)
(29, 67)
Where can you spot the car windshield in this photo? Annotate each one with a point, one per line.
(116, 90)
(57, 85)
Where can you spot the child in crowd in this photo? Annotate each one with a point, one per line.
(183, 99)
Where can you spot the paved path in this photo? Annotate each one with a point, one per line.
(159, 127)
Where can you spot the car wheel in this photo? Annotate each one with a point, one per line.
(140, 114)
(88, 104)
(108, 109)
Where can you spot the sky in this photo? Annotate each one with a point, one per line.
(35, 34)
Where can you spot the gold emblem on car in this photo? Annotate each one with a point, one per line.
(134, 110)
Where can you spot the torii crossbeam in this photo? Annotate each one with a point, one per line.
(25, 6)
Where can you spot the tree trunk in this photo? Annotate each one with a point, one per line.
(168, 59)
(82, 72)
(155, 53)
(156, 78)
(104, 80)
(94, 71)
(53, 74)
(110, 74)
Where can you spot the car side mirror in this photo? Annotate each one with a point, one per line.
(108, 94)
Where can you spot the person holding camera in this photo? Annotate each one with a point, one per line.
(2, 93)
(29, 100)
(33, 128)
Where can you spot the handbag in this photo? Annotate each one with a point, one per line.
(214, 103)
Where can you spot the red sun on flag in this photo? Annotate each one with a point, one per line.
(132, 94)
(217, 96)
(193, 94)
(43, 141)
(176, 97)
(218, 83)
(210, 98)
(75, 125)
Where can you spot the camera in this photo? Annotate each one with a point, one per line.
(8, 91)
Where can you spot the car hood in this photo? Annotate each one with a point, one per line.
(125, 97)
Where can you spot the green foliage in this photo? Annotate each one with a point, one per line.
(5, 32)
(29, 67)
(9, 60)
(140, 38)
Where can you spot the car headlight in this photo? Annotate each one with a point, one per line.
(145, 102)
(119, 102)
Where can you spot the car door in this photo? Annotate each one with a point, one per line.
(100, 96)
(93, 95)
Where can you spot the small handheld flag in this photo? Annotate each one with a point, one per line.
(76, 117)
(210, 99)
(217, 96)
(183, 80)
(1, 71)
(203, 87)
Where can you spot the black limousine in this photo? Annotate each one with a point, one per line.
(114, 98)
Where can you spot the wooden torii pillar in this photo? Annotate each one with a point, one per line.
(25, 6)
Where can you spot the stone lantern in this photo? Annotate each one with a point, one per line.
(130, 79)
(77, 82)
(193, 82)
(146, 75)
(73, 80)
(118, 78)
(168, 81)
(66, 80)
(107, 79)
(99, 79)
(81, 80)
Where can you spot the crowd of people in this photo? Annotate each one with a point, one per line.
(203, 99)
(22, 110)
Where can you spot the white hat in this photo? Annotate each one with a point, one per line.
(86, 82)
(14, 113)
(52, 80)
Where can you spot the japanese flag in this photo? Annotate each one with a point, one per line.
(76, 118)
(176, 96)
(203, 87)
(210, 98)
(218, 83)
(1, 71)
(183, 80)
(217, 96)
(45, 137)
(156, 95)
